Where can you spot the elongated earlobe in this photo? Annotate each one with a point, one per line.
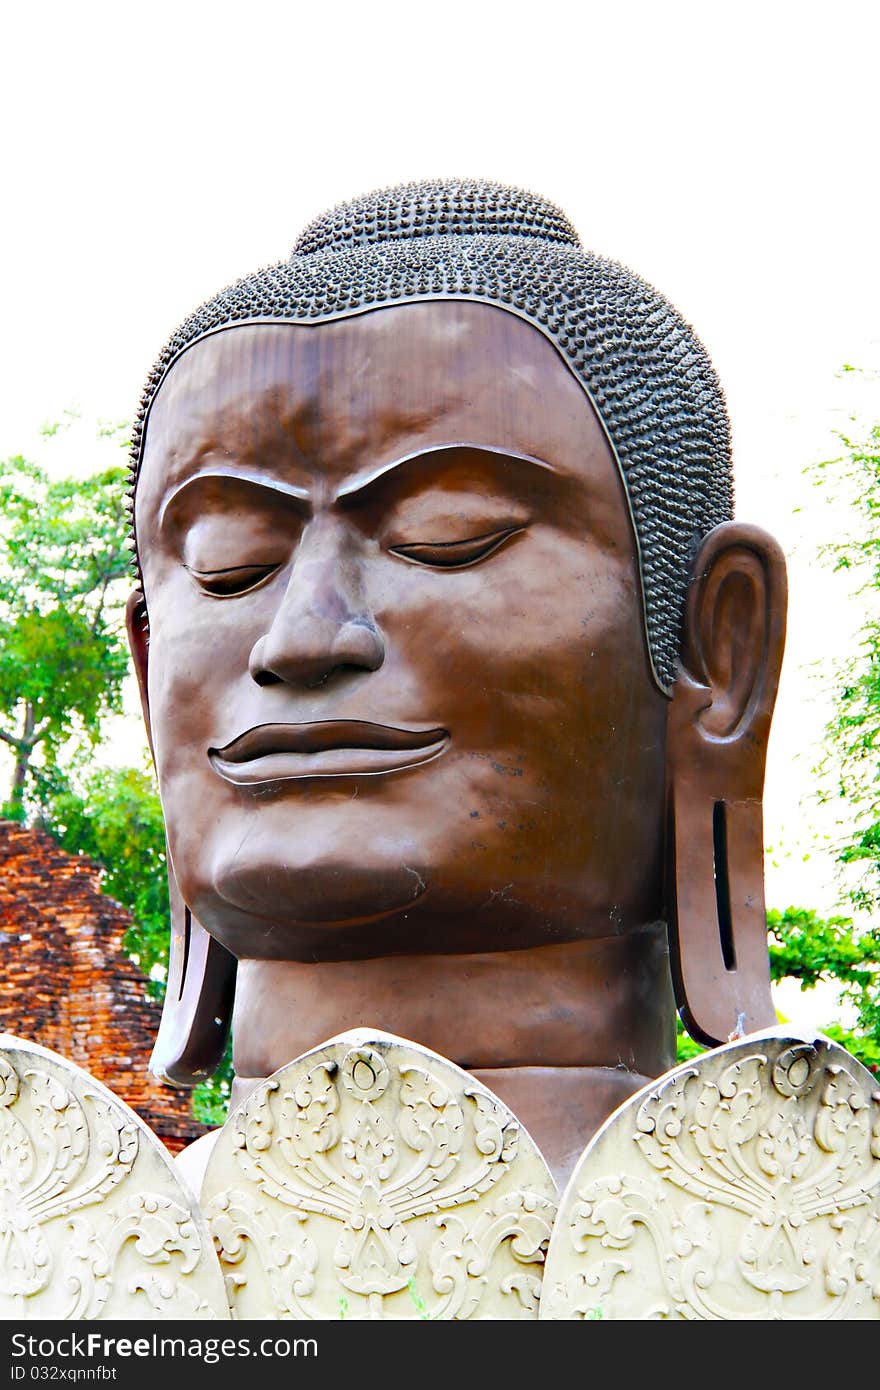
(200, 991)
(719, 722)
(199, 997)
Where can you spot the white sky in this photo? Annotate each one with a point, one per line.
(727, 152)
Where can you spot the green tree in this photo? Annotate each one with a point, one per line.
(809, 948)
(813, 949)
(840, 948)
(854, 732)
(64, 561)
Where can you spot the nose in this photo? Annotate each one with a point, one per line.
(322, 625)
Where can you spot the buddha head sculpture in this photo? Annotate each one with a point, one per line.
(457, 670)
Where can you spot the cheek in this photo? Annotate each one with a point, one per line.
(198, 654)
(530, 634)
(540, 672)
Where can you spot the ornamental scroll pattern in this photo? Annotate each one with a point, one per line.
(374, 1180)
(94, 1222)
(746, 1185)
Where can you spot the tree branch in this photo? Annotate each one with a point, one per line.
(101, 600)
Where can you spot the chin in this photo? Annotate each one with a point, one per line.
(327, 891)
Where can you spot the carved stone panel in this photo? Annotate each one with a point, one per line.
(373, 1179)
(742, 1185)
(94, 1222)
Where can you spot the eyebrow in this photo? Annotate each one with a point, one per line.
(361, 482)
(253, 479)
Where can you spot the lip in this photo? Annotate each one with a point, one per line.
(327, 748)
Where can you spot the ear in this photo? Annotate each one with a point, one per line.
(137, 625)
(200, 991)
(719, 722)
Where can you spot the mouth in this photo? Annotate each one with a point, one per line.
(328, 748)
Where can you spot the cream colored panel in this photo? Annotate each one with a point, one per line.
(94, 1222)
(743, 1185)
(372, 1179)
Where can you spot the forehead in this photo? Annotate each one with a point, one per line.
(322, 403)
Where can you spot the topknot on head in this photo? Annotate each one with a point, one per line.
(441, 207)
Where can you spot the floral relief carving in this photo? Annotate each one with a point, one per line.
(374, 1180)
(746, 1184)
(93, 1221)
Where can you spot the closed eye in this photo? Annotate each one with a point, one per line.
(455, 555)
(229, 583)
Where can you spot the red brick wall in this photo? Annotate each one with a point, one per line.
(66, 983)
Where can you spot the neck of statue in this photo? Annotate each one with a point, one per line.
(563, 1033)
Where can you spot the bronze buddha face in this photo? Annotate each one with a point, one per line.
(458, 673)
(398, 681)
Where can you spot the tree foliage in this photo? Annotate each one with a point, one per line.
(809, 948)
(854, 732)
(830, 950)
(801, 944)
(64, 560)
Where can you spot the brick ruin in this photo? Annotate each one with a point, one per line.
(67, 984)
